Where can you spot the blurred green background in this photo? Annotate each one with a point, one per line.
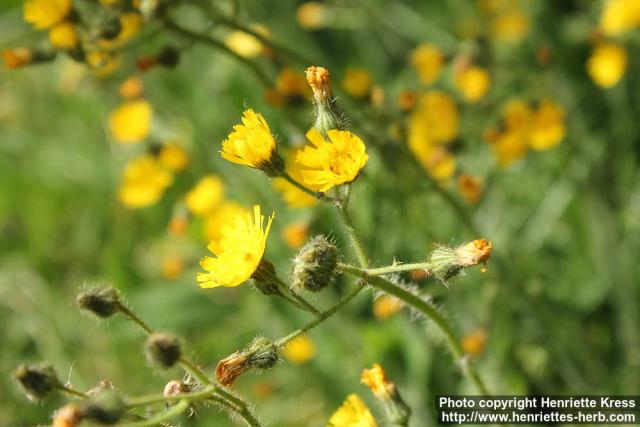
(560, 299)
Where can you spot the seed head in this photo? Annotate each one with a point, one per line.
(262, 353)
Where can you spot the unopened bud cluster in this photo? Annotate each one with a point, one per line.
(315, 265)
(262, 353)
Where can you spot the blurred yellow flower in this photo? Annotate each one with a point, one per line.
(510, 26)
(43, 14)
(311, 15)
(357, 82)
(328, 164)
(470, 187)
(509, 147)
(245, 44)
(172, 267)
(292, 83)
(517, 115)
(173, 157)
(352, 413)
(205, 196)
(130, 88)
(144, 182)
(64, 35)
(436, 160)
(435, 119)
(428, 60)
(295, 234)
(102, 63)
(238, 251)
(619, 16)
(547, 127)
(178, 224)
(475, 343)
(251, 143)
(215, 221)
(299, 350)
(292, 195)
(17, 57)
(130, 122)
(376, 379)
(386, 306)
(130, 24)
(607, 64)
(473, 82)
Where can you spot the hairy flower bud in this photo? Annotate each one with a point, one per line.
(37, 380)
(315, 265)
(449, 262)
(328, 113)
(105, 407)
(386, 392)
(102, 301)
(163, 350)
(262, 353)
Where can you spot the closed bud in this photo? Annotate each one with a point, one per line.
(447, 263)
(102, 301)
(262, 353)
(328, 113)
(387, 393)
(37, 380)
(265, 279)
(315, 265)
(163, 350)
(105, 407)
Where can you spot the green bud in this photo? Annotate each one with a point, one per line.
(37, 380)
(102, 301)
(315, 265)
(105, 407)
(262, 353)
(447, 263)
(328, 113)
(163, 350)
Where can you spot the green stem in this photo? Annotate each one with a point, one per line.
(74, 393)
(296, 299)
(134, 318)
(206, 392)
(172, 412)
(431, 313)
(318, 195)
(351, 232)
(396, 268)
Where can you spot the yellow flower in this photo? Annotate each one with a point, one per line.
(64, 36)
(43, 14)
(331, 163)
(352, 413)
(547, 127)
(173, 157)
(299, 350)
(473, 82)
(517, 115)
(130, 24)
(509, 26)
(619, 16)
(245, 44)
(238, 251)
(607, 64)
(102, 63)
(436, 160)
(475, 343)
(17, 57)
(143, 183)
(130, 88)
(385, 306)
(215, 221)
(376, 379)
(357, 82)
(435, 119)
(428, 60)
(311, 15)
(292, 195)
(295, 234)
(470, 187)
(172, 267)
(510, 146)
(131, 121)
(252, 144)
(292, 83)
(205, 196)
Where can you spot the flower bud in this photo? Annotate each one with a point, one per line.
(102, 301)
(387, 393)
(163, 350)
(106, 407)
(68, 416)
(37, 380)
(315, 265)
(328, 113)
(262, 353)
(448, 262)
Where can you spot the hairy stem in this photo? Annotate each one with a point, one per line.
(318, 195)
(172, 412)
(395, 268)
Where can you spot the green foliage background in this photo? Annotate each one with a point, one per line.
(560, 299)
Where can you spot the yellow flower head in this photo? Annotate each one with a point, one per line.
(509, 26)
(205, 196)
(376, 379)
(103, 63)
(299, 350)
(510, 146)
(607, 64)
(292, 83)
(357, 82)
(130, 24)
(328, 164)
(428, 60)
(173, 157)
(473, 82)
(252, 144)
(172, 267)
(312, 15)
(131, 88)
(547, 127)
(238, 251)
(470, 187)
(43, 14)
(352, 413)
(385, 306)
(64, 36)
(144, 182)
(17, 57)
(619, 16)
(435, 119)
(215, 221)
(131, 121)
(475, 343)
(244, 44)
(295, 234)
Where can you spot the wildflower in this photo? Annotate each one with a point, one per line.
(311, 15)
(101, 301)
(131, 88)
(510, 147)
(619, 16)
(328, 164)
(163, 350)
(69, 415)
(300, 350)
(43, 14)
(252, 144)
(386, 306)
(129, 25)
(607, 64)
(352, 413)
(292, 85)
(473, 82)
(428, 60)
(215, 221)
(473, 253)
(17, 57)
(262, 353)
(547, 127)
(37, 380)
(510, 26)
(387, 393)
(295, 234)
(205, 196)
(64, 36)
(173, 157)
(314, 267)
(144, 182)
(238, 252)
(172, 267)
(436, 160)
(407, 100)
(470, 187)
(244, 44)
(292, 195)
(475, 343)
(102, 63)
(357, 82)
(435, 119)
(328, 114)
(131, 121)
(449, 262)
(178, 224)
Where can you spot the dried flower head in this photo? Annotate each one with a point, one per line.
(262, 353)
(163, 350)
(328, 113)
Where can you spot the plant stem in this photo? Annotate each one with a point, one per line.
(430, 312)
(351, 232)
(396, 268)
(134, 318)
(206, 392)
(318, 195)
(74, 393)
(172, 412)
